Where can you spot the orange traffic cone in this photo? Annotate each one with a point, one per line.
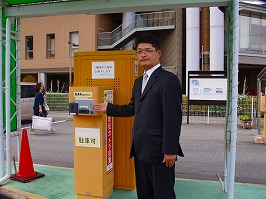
(26, 171)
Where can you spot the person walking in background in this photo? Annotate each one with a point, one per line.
(46, 107)
(39, 103)
(38, 107)
(44, 94)
(156, 104)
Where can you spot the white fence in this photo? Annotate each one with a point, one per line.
(247, 105)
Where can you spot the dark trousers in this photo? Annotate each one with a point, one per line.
(154, 181)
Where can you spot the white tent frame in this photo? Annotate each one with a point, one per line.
(114, 6)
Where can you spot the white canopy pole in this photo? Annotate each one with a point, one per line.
(192, 41)
(234, 23)
(7, 97)
(2, 159)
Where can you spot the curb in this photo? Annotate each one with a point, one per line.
(10, 193)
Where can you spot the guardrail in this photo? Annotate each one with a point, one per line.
(138, 21)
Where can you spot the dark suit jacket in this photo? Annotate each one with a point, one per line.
(158, 116)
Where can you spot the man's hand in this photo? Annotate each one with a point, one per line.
(100, 107)
(169, 160)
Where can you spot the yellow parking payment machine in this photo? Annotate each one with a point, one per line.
(117, 69)
(93, 143)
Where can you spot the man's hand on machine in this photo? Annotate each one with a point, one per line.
(101, 107)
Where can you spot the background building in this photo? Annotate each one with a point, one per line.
(252, 45)
(47, 48)
(191, 38)
(205, 42)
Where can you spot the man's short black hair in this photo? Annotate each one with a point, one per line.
(148, 38)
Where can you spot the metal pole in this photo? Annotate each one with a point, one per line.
(8, 130)
(259, 105)
(7, 98)
(70, 56)
(2, 159)
(70, 67)
(208, 119)
(201, 57)
(252, 112)
(18, 88)
(234, 64)
(228, 110)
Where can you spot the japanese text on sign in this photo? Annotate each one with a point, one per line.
(83, 94)
(87, 137)
(201, 89)
(109, 145)
(103, 70)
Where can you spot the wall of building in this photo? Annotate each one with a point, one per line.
(205, 37)
(171, 44)
(106, 23)
(61, 26)
(252, 59)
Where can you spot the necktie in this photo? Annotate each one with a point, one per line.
(144, 81)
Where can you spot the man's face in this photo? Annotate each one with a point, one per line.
(148, 56)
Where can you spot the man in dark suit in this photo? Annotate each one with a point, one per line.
(157, 123)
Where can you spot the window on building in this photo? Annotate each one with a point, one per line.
(252, 33)
(73, 43)
(255, 33)
(29, 47)
(263, 34)
(50, 45)
(244, 42)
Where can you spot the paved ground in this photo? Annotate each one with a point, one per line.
(203, 145)
(58, 183)
(204, 148)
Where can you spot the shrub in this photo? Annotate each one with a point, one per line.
(244, 118)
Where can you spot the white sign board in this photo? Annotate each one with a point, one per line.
(87, 137)
(103, 70)
(208, 89)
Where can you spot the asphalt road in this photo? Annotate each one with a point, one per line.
(204, 148)
(52, 149)
(203, 145)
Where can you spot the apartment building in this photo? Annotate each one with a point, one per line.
(208, 29)
(252, 45)
(48, 43)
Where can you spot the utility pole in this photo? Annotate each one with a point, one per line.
(71, 45)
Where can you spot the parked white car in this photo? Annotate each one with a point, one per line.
(27, 100)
